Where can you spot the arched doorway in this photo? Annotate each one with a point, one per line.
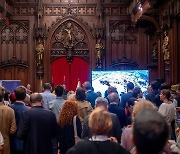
(69, 55)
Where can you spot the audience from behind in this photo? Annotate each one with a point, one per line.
(66, 129)
(7, 122)
(18, 106)
(56, 105)
(84, 107)
(116, 128)
(47, 95)
(151, 95)
(1, 143)
(125, 97)
(167, 108)
(37, 128)
(116, 109)
(100, 124)
(137, 109)
(150, 132)
(90, 94)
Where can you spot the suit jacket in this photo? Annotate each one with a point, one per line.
(37, 128)
(7, 125)
(91, 97)
(119, 111)
(18, 108)
(115, 131)
(125, 98)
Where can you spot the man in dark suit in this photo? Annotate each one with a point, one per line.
(18, 107)
(116, 109)
(126, 97)
(37, 127)
(90, 94)
(116, 128)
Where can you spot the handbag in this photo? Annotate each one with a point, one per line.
(76, 137)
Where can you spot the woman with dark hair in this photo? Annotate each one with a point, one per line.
(66, 130)
(84, 107)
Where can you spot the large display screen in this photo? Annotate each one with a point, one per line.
(119, 80)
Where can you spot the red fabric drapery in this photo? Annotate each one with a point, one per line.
(62, 71)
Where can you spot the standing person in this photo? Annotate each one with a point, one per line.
(115, 131)
(116, 109)
(47, 95)
(66, 129)
(56, 105)
(150, 132)
(18, 106)
(7, 122)
(167, 108)
(37, 128)
(90, 94)
(125, 97)
(100, 124)
(84, 107)
(154, 91)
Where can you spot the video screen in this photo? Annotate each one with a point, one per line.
(119, 80)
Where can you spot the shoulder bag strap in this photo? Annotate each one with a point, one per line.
(74, 125)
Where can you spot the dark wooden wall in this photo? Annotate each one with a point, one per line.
(125, 46)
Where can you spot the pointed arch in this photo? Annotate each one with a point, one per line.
(88, 35)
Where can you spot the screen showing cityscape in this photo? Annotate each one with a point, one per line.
(119, 80)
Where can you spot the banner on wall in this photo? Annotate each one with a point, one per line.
(10, 84)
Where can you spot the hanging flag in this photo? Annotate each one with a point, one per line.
(78, 84)
(64, 82)
(40, 85)
(52, 84)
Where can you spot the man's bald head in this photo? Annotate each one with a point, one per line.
(35, 98)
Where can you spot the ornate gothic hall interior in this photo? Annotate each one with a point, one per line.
(65, 40)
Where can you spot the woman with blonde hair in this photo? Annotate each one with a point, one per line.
(66, 129)
(100, 123)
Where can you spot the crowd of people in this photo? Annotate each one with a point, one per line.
(82, 122)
